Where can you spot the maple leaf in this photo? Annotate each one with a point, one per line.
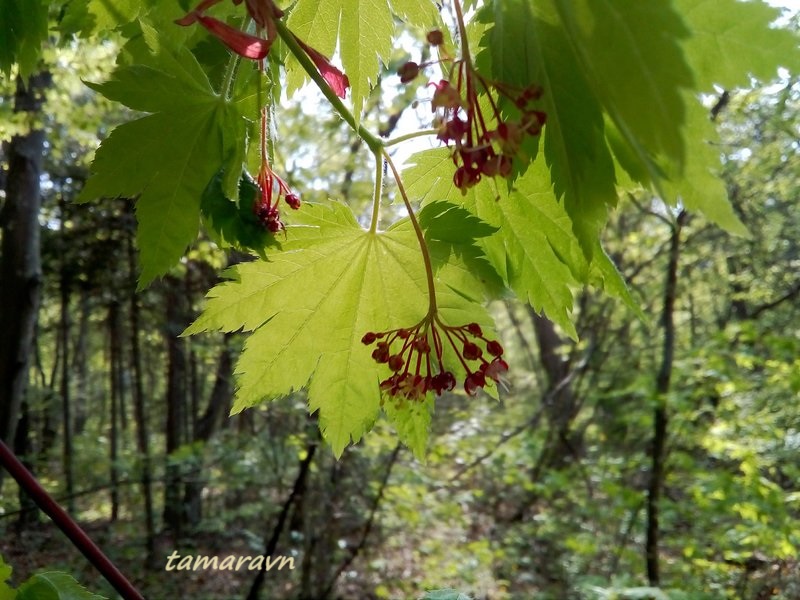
(308, 308)
(534, 248)
(23, 24)
(733, 40)
(526, 44)
(363, 30)
(168, 157)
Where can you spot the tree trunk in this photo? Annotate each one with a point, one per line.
(66, 408)
(115, 373)
(660, 414)
(176, 321)
(142, 435)
(80, 364)
(218, 404)
(28, 511)
(20, 261)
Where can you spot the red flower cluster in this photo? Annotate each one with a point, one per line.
(482, 144)
(272, 187)
(415, 356)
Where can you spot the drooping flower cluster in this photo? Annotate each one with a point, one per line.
(272, 188)
(483, 144)
(416, 358)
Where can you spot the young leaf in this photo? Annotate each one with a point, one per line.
(6, 591)
(54, 586)
(527, 45)
(233, 222)
(363, 30)
(630, 53)
(700, 186)
(23, 29)
(168, 157)
(423, 13)
(446, 222)
(309, 307)
(733, 40)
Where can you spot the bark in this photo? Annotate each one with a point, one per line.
(142, 434)
(115, 376)
(296, 494)
(66, 408)
(176, 321)
(204, 428)
(28, 514)
(20, 258)
(80, 363)
(561, 403)
(660, 413)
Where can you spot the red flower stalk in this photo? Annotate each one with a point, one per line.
(483, 144)
(415, 356)
(264, 13)
(272, 187)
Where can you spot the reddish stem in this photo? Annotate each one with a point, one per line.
(71, 529)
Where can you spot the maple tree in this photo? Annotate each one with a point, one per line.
(546, 111)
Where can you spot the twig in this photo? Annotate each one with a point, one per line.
(64, 522)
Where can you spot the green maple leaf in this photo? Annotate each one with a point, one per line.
(699, 186)
(308, 308)
(423, 13)
(168, 157)
(363, 30)
(527, 45)
(54, 586)
(23, 29)
(630, 53)
(6, 591)
(733, 40)
(534, 248)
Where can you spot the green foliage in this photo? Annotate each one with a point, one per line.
(192, 133)
(6, 591)
(23, 28)
(314, 300)
(619, 83)
(231, 221)
(52, 585)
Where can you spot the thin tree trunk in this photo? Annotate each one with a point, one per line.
(142, 435)
(66, 409)
(176, 403)
(660, 414)
(297, 491)
(29, 513)
(80, 363)
(20, 258)
(204, 427)
(115, 372)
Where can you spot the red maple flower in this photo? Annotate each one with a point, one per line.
(484, 143)
(272, 188)
(415, 356)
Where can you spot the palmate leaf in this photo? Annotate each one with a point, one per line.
(527, 44)
(630, 53)
(54, 585)
(733, 40)
(535, 249)
(363, 30)
(308, 308)
(168, 157)
(23, 29)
